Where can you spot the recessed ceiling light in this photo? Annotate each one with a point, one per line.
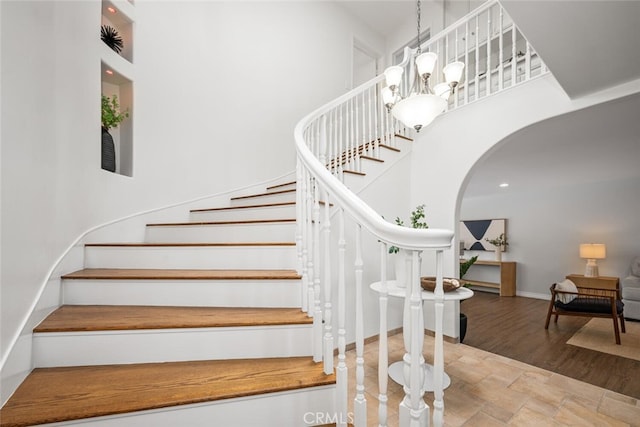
(504, 185)
(109, 72)
(111, 9)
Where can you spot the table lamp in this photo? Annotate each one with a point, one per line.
(591, 252)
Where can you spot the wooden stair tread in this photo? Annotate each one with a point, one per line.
(354, 172)
(265, 205)
(240, 222)
(62, 394)
(269, 193)
(372, 158)
(181, 245)
(390, 148)
(180, 274)
(281, 185)
(74, 318)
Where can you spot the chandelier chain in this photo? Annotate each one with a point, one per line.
(418, 12)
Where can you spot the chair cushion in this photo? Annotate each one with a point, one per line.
(566, 286)
(590, 305)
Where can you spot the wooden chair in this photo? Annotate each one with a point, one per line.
(588, 302)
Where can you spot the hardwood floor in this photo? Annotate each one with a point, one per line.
(514, 327)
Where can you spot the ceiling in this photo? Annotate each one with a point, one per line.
(383, 16)
(600, 143)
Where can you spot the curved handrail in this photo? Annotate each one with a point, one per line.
(403, 237)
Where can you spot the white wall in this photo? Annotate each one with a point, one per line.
(546, 227)
(446, 152)
(218, 89)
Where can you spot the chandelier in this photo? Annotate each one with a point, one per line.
(422, 104)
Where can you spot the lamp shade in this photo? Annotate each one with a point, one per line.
(453, 72)
(443, 90)
(393, 75)
(387, 96)
(418, 111)
(426, 62)
(593, 251)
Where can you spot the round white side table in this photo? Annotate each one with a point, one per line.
(396, 369)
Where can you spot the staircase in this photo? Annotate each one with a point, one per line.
(199, 325)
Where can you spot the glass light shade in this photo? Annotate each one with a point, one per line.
(593, 251)
(387, 96)
(417, 111)
(443, 90)
(453, 72)
(426, 62)
(393, 75)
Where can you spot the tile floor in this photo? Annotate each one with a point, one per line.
(491, 390)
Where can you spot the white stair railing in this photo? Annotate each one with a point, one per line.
(329, 142)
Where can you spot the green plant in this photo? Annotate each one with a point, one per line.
(464, 266)
(416, 216)
(500, 241)
(111, 114)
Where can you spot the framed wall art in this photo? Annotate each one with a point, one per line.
(474, 232)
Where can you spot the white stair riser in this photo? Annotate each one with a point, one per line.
(194, 293)
(296, 408)
(197, 257)
(169, 345)
(289, 196)
(270, 212)
(270, 232)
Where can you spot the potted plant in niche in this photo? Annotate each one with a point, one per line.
(499, 243)
(417, 221)
(111, 117)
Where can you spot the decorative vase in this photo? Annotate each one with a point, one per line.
(401, 269)
(108, 151)
(498, 253)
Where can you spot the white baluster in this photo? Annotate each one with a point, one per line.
(371, 142)
(352, 135)
(488, 79)
(299, 236)
(325, 224)
(317, 316)
(477, 58)
(466, 61)
(343, 123)
(413, 410)
(527, 62)
(342, 374)
(501, 53)
(379, 110)
(383, 350)
(514, 55)
(455, 52)
(360, 402)
(438, 353)
(307, 264)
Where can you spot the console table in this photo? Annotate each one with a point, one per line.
(507, 284)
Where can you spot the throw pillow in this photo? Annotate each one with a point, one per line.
(635, 267)
(566, 286)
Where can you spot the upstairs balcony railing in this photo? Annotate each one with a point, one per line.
(333, 139)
